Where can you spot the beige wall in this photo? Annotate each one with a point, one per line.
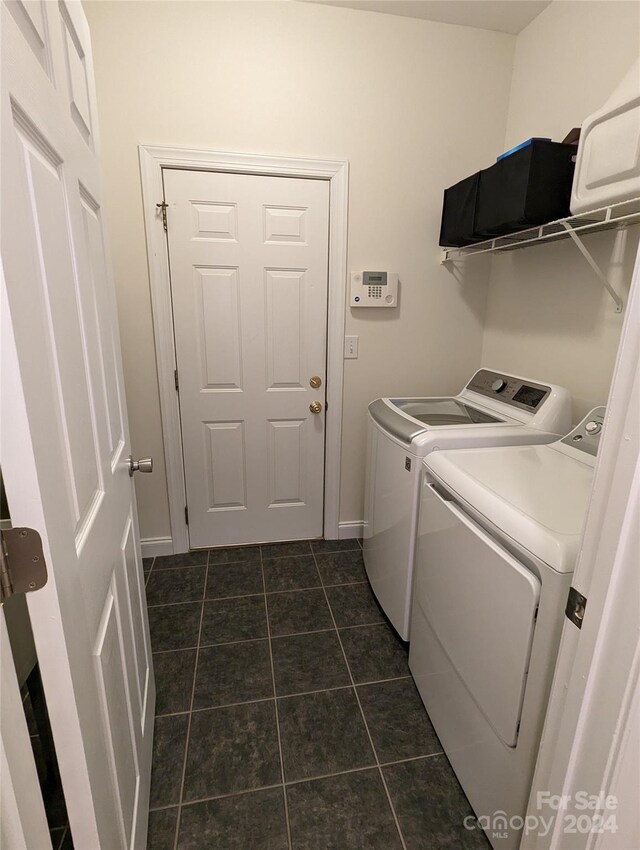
(547, 313)
(413, 105)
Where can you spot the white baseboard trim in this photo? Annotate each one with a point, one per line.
(153, 546)
(348, 530)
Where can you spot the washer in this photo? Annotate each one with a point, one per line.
(499, 534)
(493, 409)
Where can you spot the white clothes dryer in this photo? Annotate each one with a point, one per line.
(499, 535)
(493, 409)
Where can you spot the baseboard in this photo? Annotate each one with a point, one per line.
(153, 546)
(348, 530)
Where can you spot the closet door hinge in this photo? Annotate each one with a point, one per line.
(22, 565)
(176, 381)
(186, 514)
(163, 211)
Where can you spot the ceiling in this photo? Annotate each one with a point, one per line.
(510, 16)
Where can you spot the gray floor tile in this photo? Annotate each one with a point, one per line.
(227, 620)
(162, 829)
(253, 821)
(322, 733)
(354, 605)
(169, 740)
(174, 626)
(293, 572)
(233, 672)
(397, 720)
(236, 554)
(232, 749)
(298, 611)
(322, 546)
(241, 579)
(282, 550)
(184, 559)
(67, 841)
(348, 812)
(56, 836)
(147, 563)
(341, 567)
(174, 680)
(308, 663)
(374, 653)
(181, 584)
(431, 806)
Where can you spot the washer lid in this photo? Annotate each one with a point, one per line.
(406, 418)
(442, 411)
(535, 494)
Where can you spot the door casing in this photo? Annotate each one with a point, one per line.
(152, 161)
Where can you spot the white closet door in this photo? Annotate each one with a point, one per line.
(64, 438)
(248, 257)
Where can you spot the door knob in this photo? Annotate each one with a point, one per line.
(315, 406)
(144, 465)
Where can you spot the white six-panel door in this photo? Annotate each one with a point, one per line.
(248, 258)
(64, 438)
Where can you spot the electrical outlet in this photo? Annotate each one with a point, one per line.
(351, 347)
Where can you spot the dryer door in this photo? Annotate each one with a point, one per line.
(481, 604)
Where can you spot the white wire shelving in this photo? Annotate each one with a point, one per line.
(612, 217)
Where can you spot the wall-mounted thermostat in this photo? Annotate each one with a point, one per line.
(374, 289)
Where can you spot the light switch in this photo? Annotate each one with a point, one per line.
(351, 347)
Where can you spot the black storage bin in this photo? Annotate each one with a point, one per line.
(459, 213)
(527, 188)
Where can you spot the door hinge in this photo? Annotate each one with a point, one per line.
(186, 514)
(163, 211)
(22, 565)
(176, 381)
(576, 604)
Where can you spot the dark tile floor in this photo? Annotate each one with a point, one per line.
(286, 715)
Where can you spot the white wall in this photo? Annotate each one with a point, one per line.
(413, 105)
(547, 314)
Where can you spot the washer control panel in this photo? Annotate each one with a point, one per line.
(586, 436)
(523, 394)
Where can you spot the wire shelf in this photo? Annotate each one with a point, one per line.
(606, 218)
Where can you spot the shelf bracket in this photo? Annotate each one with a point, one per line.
(596, 268)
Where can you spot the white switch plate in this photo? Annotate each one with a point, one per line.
(351, 347)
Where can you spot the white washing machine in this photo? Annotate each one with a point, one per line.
(499, 534)
(494, 409)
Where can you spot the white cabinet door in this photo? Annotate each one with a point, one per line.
(64, 436)
(248, 257)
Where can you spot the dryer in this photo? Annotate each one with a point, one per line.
(499, 535)
(493, 409)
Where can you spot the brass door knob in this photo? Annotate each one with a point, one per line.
(315, 406)
(315, 382)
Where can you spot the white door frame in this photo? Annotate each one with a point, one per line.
(592, 717)
(152, 160)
